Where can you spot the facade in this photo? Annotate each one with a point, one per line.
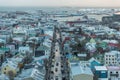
(113, 72)
(116, 16)
(93, 63)
(42, 50)
(112, 58)
(101, 73)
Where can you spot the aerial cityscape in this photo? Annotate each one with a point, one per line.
(59, 43)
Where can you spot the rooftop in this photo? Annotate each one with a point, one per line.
(100, 68)
(78, 69)
(117, 13)
(112, 52)
(113, 68)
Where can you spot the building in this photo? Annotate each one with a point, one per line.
(24, 49)
(2, 57)
(101, 73)
(36, 73)
(93, 63)
(10, 67)
(82, 56)
(116, 16)
(4, 77)
(42, 50)
(80, 72)
(113, 72)
(112, 58)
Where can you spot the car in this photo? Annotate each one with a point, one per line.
(57, 64)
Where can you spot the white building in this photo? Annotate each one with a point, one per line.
(112, 58)
(113, 72)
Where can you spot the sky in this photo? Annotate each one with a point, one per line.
(76, 3)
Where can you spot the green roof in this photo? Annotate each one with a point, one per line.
(92, 40)
(103, 45)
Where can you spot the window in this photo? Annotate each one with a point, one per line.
(110, 72)
(117, 72)
(4, 72)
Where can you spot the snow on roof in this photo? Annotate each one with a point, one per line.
(17, 59)
(29, 41)
(110, 41)
(12, 64)
(113, 68)
(2, 41)
(4, 77)
(32, 38)
(90, 46)
(41, 57)
(112, 52)
(103, 79)
(37, 75)
(25, 73)
(43, 48)
(91, 28)
(93, 59)
(78, 69)
(117, 13)
(82, 55)
(118, 33)
(24, 48)
(18, 39)
(100, 68)
(19, 30)
(2, 52)
(113, 41)
(49, 33)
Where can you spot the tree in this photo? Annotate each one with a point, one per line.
(11, 75)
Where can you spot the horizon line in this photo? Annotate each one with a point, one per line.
(69, 6)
